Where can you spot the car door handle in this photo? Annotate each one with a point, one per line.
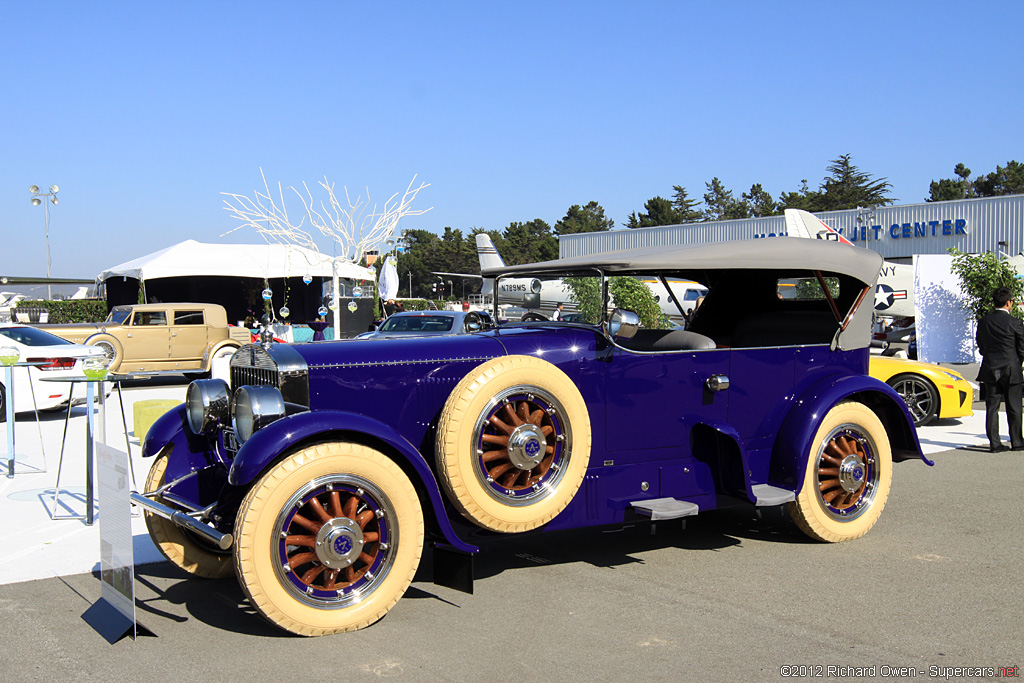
(717, 383)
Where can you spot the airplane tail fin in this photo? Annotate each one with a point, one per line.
(800, 223)
(489, 258)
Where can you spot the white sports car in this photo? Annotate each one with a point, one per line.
(58, 358)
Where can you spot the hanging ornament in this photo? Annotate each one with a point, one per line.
(322, 311)
(283, 312)
(352, 306)
(357, 291)
(333, 303)
(307, 278)
(267, 293)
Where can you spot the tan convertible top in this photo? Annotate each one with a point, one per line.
(773, 253)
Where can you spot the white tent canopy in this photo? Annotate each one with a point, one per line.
(191, 258)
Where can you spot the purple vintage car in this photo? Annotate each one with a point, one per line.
(323, 472)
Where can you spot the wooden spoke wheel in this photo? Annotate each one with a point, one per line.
(848, 474)
(513, 443)
(329, 539)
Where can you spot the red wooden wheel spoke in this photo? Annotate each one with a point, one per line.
(299, 559)
(366, 559)
(550, 450)
(330, 578)
(350, 574)
(495, 439)
(319, 510)
(501, 469)
(512, 417)
(350, 507)
(547, 429)
(307, 524)
(829, 471)
(336, 509)
(371, 537)
(536, 417)
(303, 541)
(524, 412)
(498, 424)
(311, 574)
(364, 517)
(492, 456)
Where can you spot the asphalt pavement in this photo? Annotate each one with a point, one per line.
(933, 586)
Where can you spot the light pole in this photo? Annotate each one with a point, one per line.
(37, 199)
(410, 284)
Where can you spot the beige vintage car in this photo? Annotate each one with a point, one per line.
(179, 337)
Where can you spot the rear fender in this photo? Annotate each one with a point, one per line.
(269, 444)
(789, 458)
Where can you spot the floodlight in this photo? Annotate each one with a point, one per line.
(54, 189)
(36, 201)
(53, 199)
(33, 189)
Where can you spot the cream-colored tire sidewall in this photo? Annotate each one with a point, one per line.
(809, 512)
(176, 544)
(456, 453)
(255, 527)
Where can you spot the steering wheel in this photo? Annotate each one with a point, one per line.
(532, 316)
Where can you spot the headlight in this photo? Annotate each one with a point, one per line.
(952, 374)
(254, 408)
(207, 404)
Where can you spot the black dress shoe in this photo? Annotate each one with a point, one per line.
(997, 449)
(1017, 448)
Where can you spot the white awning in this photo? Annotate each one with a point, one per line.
(191, 258)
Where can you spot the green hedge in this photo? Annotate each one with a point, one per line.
(71, 310)
(421, 304)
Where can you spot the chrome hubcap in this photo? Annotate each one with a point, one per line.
(339, 543)
(526, 446)
(851, 473)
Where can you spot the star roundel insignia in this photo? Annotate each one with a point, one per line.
(885, 296)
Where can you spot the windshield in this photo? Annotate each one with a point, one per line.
(30, 336)
(119, 315)
(418, 323)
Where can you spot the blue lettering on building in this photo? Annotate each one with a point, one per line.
(944, 228)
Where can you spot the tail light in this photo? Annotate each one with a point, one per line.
(53, 363)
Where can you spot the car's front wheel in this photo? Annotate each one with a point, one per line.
(182, 548)
(849, 470)
(920, 396)
(328, 539)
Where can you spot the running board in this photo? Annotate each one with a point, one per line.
(665, 508)
(766, 494)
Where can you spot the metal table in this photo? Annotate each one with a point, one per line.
(90, 438)
(10, 414)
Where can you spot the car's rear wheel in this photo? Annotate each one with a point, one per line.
(849, 470)
(182, 548)
(920, 396)
(513, 443)
(329, 539)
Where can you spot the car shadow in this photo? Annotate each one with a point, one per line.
(222, 604)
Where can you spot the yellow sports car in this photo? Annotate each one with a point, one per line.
(930, 390)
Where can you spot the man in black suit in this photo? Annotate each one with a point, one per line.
(1001, 342)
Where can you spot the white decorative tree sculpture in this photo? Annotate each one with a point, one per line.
(354, 229)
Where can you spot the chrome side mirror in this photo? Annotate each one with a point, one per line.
(622, 324)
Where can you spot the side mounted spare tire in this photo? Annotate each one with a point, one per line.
(111, 349)
(513, 443)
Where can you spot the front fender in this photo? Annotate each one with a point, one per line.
(793, 443)
(186, 453)
(265, 446)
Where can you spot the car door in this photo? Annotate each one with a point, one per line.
(655, 399)
(147, 338)
(189, 336)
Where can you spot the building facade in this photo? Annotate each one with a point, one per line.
(991, 224)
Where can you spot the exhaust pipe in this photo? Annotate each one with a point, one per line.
(222, 541)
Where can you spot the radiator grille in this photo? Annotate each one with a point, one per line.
(241, 376)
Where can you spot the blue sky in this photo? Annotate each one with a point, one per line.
(144, 113)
